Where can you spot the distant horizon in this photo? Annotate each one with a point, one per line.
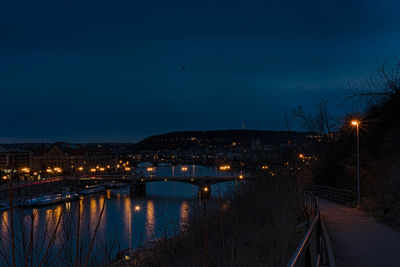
(132, 142)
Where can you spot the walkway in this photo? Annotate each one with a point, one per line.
(357, 239)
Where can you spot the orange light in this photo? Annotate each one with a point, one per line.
(26, 170)
(205, 189)
(80, 168)
(301, 156)
(150, 169)
(137, 208)
(241, 176)
(184, 168)
(224, 168)
(93, 170)
(355, 123)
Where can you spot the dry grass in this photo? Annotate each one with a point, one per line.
(255, 227)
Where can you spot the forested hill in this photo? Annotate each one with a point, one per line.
(218, 139)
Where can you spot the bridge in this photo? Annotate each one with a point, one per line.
(138, 183)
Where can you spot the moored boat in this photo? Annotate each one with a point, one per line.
(49, 200)
(92, 189)
(114, 184)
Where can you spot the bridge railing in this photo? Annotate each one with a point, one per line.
(342, 196)
(314, 248)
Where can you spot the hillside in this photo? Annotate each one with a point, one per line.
(218, 139)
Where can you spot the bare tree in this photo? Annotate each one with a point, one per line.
(379, 83)
(320, 122)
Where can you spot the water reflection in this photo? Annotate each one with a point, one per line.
(184, 218)
(127, 216)
(4, 223)
(150, 219)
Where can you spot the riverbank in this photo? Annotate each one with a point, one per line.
(256, 226)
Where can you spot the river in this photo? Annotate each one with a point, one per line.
(126, 221)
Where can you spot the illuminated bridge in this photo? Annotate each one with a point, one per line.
(138, 183)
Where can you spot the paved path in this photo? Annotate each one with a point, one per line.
(357, 239)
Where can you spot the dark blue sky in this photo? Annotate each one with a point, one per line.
(112, 70)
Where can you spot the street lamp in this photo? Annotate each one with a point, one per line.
(357, 125)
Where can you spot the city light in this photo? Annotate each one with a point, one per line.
(205, 189)
(5, 177)
(301, 156)
(137, 208)
(127, 168)
(93, 170)
(102, 169)
(49, 170)
(241, 176)
(184, 168)
(224, 168)
(355, 123)
(150, 169)
(80, 168)
(265, 167)
(26, 170)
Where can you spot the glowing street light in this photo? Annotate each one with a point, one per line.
(224, 167)
(184, 168)
(357, 124)
(26, 170)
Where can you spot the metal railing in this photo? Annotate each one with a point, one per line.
(312, 250)
(342, 196)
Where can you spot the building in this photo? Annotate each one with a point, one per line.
(62, 157)
(15, 160)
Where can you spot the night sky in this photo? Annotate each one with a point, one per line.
(121, 70)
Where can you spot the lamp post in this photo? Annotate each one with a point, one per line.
(357, 124)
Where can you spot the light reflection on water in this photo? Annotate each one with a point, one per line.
(165, 209)
(150, 219)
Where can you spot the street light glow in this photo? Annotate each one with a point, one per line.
(355, 123)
